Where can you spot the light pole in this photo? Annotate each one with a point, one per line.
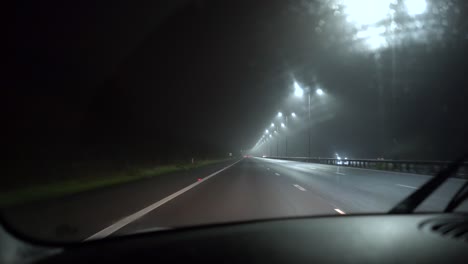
(309, 127)
(277, 142)
(275, 131)
(280, 116)
(299, 92)
(271, 152)
(285, 126)
(285, 137)
(268, 140)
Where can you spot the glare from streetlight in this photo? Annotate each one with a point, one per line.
(266, 131)
(373, 37)
(298, 91)
(293, 114)
(272, 125)
(270, 135)
(280, 114)
(282, 125)
(319, 91)
(415, 7)
(356, 11)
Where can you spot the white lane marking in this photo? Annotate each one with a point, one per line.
(277, 174)
(339, 211)
(340, 173)
(299, 187)
(407, 186)
(127, 220)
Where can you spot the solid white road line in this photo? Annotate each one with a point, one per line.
(407, 186)
(277, 174)
(299, 187)
(304, 167)
(339, 211)
(340, 173)
(127, 220)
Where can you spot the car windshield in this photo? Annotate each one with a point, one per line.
(131, 117)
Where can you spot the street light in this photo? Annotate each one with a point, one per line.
(319, 91)
(284, 124)
(415, 7)
(277, 143)
(272, 125)
(298, 91)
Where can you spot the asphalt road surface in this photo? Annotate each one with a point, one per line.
(248, 189)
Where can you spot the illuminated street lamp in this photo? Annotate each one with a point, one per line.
(319, 91)
(284, 125)
(299, 92)
(277, 143)
(415, 7)
(280, 114)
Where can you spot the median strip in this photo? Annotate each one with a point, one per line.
(78, 185)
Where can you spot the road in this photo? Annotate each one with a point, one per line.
(250, 189)
(263, 188)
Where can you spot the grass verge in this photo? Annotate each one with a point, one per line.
(54, 190)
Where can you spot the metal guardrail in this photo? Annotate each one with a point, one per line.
(406, 166)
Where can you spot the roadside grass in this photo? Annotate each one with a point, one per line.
(58, 189)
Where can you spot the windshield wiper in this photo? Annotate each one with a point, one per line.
(409, 204)
(458, 198)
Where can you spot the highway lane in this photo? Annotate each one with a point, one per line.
(259, 188)
(246, 191)
(365, 190)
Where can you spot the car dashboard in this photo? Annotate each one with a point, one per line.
(415, 238)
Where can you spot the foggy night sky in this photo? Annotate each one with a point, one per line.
(167, 81)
